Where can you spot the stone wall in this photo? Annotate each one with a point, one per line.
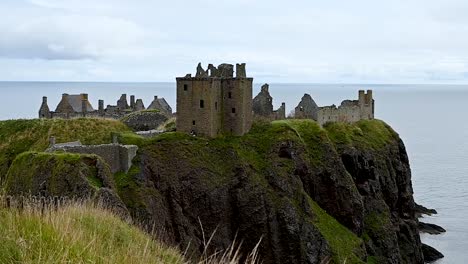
(118, 157)
(349, 111)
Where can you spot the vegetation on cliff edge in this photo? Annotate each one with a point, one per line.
(18, 136)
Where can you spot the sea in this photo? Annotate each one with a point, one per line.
(432, 120)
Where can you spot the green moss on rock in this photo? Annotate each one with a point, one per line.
(57, 174)
(345, 245)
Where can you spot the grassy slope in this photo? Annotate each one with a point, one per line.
(17, 136)
(76, 234)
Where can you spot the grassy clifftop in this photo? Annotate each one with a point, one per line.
(17, 136)
(76, 234)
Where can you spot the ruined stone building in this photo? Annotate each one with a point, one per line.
(161, 105)
(307, 108)
(214, 101)
(78, 105)
(349, 110)
(263, 106)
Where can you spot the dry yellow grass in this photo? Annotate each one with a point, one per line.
(81, 232)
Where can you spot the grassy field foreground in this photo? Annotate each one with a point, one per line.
(77, 233)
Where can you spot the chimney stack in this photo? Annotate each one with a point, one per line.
(101, 106)
(132, 101)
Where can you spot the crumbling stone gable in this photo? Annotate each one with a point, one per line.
(263, 102)
(263, 106)
(307, 108)
(214, 103)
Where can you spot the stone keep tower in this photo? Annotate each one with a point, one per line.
(366, 104)
(214, 101)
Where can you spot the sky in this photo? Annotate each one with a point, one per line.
(296, 41)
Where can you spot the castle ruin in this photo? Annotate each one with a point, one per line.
(263, 106)
(78, 105)
(349, 111)
(214, 101)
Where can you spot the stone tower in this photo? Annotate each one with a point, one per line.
(366, 104)
(214, 101)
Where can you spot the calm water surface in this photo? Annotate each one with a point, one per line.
(430, 119)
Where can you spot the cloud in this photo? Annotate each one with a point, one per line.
(69, 37)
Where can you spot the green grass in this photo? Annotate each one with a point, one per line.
(63, 171)
(17, 136)
(344, 244)
(373, 134)
(76, 234)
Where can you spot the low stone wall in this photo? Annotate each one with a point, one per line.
(118, 157)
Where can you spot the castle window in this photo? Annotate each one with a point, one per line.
(202, 104)
(185, 87)
(216, 105)
(230, 95)
(193, 122)
(233, 110)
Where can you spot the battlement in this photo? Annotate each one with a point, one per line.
(223, 71)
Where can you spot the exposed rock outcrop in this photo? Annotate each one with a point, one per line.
(431, 254)
(430, 228)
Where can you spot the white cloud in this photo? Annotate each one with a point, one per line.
(69, 37)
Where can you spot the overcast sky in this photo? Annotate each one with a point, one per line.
(359, 41)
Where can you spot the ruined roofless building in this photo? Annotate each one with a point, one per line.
(263, 105)
(214, 101)
(78, 105)
(306, 109)
(349, 111)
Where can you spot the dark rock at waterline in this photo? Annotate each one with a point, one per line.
(420, 210)
(430, 228)
(431, 254)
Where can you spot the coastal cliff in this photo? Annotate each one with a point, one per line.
(304, 194)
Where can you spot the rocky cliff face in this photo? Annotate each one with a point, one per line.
(272, 184)
(306, 194)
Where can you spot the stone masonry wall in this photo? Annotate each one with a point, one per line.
(118, 157)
